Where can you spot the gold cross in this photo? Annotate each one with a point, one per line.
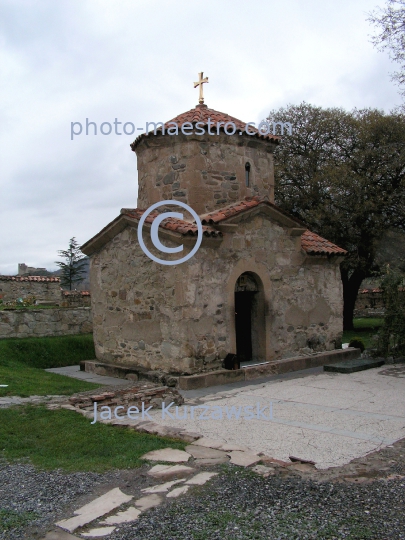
(200, 84)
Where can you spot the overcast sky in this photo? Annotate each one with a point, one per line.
(136, 60)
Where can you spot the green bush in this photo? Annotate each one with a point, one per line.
(392, 333)
(358, 343)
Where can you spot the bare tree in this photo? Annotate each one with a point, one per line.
(390, 21)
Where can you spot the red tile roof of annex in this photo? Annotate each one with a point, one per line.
(311, 243)
(201, 113)
(181, 226)
(43, 279)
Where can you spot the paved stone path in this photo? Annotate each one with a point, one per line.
(102, 515)
(328, 418)
(74, 371)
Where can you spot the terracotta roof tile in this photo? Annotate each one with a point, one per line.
(311, 243)
(183, 227)
(75, 293)
(377, 291)
(201, 113)
(241, 206)
(44, 279)
(314, 244)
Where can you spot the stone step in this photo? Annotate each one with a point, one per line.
(351, 366)
(224, 376)
(277, 367)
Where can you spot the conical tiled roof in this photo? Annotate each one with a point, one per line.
(201, 114)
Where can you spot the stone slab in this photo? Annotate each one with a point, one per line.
(208, 443)
(131, 514)
(178, 491)
(150, 501)
(351, 366)
(244, 459)
(202, 452)
(168, 471)
(229, 447)
(188, 436)
(200, 479)
(161, 488)
(100, 531)
(97, 508)
(167, 454)
(211, 462)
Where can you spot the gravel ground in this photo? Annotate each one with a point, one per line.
(237, 504)
(364, 499)
(41, 496)
(240, 505)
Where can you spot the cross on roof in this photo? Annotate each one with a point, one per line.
(200, 84)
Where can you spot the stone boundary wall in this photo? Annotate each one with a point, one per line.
(75, 299)
(370, 313)
(45, 322)
(43, 288)
(369, 303)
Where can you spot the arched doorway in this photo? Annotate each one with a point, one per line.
(250, 319)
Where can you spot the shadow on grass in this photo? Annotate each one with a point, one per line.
(22, 362)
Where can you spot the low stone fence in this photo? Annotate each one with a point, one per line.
(370, 313)
(45, 322)
(144, 394)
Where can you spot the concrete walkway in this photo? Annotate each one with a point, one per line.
(74, 371)
(329, 418)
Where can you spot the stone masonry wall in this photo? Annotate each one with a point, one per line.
(178, 318)
(45, 322)
(205, 172)
(144, 393)
(43, 290)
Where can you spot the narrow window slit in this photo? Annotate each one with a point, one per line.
(247, 173)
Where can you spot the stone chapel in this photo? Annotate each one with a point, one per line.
(261, 286)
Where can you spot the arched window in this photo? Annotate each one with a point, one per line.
(247, 173)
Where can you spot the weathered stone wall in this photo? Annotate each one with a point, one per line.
(145, 393)
(75, 299)
(206, 172)
(45, 322)
(13, 287)
(182, 318)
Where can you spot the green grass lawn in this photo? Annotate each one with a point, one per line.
(9, 519)
(364, 328)
(64, 439)
(22, 364)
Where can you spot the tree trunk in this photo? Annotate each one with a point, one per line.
(351, 286)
